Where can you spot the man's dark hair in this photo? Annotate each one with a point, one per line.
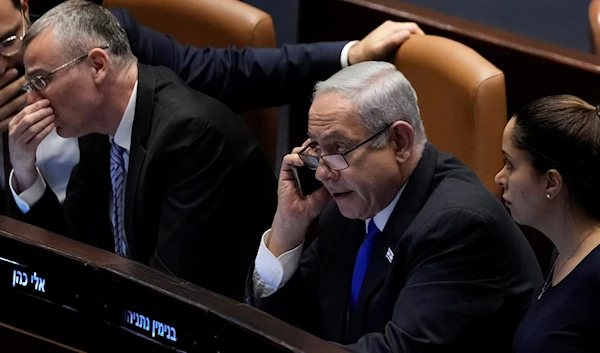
(17, 4)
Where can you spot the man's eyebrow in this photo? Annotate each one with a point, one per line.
(34, 73)
(11, 32)
(506, 154)
(329, 136)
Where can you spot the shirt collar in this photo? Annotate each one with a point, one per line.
(123, 135)
(382, 217)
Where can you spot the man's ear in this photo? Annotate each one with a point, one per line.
(554, 183)
(402, 135)
(100, 61)
(25, 9)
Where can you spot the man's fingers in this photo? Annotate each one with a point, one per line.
(18, 126)
(291, 160)
(30, 133)
(394, 40)
(31, 108)
(37, 139)
(288, 162)
(297, 150)
(11, 90)
(412, 27)
(8, 77)
(13, 107)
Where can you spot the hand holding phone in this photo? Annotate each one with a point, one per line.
(306, 181)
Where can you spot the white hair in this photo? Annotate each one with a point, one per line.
(381, 96)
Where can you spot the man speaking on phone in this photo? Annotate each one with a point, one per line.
(413, 253)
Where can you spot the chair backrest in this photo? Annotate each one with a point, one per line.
(594, 15)
(462, 98)
(214, 23)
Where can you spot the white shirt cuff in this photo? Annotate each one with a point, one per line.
(31, 196)
(271, 273)
(344, 55)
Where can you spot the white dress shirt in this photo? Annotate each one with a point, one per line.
(272, 273)
(27, 198)
(55, 158)
(344, 55)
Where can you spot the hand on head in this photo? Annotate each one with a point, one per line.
(382, 42)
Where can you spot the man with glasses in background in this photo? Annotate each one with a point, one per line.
(163, 169)
(243, 79)
(412, 254)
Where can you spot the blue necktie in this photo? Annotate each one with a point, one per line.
(362, 262)
(117, 179)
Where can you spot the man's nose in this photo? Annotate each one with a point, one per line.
(33, 96)
(323, 172)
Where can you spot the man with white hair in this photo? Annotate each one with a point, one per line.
(163, 169)
(413, 253)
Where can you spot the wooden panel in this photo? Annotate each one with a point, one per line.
(114, 290)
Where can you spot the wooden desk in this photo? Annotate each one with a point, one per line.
(57, 292)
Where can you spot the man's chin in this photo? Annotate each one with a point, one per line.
(348, 208)
(62, 132)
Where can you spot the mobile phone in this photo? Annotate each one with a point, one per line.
(306, 180)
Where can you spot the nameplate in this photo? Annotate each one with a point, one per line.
(28, 272)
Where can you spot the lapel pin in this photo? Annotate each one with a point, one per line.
(389, 255)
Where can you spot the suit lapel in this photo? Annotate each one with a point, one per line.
(339, 266)
(411, 201)
(137, 154)
(95, 155)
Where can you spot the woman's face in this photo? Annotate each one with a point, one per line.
(524, 189)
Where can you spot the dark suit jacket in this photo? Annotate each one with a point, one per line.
(461, 279)
(243, 79)
(199, 192)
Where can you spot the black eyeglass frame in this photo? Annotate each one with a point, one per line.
(312, 162)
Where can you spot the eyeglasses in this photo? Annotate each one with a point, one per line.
(13, 44)
(40, 82)
(336, 161)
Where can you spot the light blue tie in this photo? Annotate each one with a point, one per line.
(362, 262)
(117, 179)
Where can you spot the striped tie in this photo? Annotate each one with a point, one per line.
(117, 173)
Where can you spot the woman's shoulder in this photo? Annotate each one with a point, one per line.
(586, 276)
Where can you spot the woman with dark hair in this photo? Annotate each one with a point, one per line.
(551, 182)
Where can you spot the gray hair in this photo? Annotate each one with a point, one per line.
(381, 96)
(79, 26)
